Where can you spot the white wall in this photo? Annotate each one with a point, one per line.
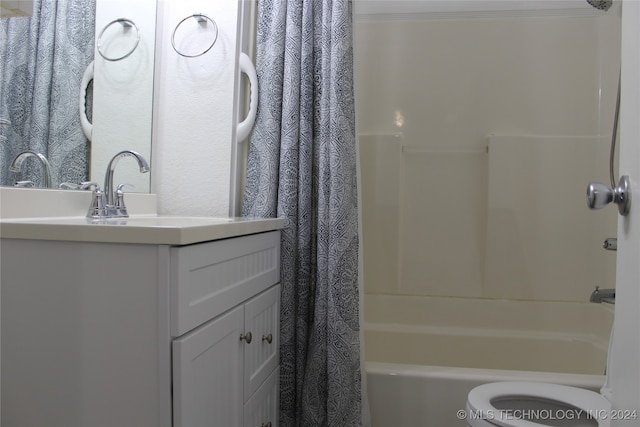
(194, 114)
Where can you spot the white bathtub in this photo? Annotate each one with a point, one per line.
(424, 355)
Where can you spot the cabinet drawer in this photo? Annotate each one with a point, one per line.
(209, 278)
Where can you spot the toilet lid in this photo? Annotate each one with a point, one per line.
(481, 397)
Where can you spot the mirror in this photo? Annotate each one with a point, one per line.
(41, 83)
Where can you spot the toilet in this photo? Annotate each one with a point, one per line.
(529, 404)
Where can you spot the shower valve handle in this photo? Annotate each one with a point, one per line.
(600, 195)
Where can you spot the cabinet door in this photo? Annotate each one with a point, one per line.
(262, 318)
(262, 409)
(208, 372)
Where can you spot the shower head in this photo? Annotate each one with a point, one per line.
(601, 4)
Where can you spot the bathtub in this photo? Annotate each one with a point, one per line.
(424, 354)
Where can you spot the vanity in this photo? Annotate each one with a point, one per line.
(144, 321)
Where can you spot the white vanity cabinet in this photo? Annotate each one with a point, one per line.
(209, 391)
(134, 335)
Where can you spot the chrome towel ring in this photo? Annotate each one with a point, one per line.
(126, 24)
(203, 20)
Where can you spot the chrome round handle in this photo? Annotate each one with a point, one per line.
(600, 195)
(246, 337)
(268, 338)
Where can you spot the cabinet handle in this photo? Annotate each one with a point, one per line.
(266, 425)
(267, 338)
(247, 337)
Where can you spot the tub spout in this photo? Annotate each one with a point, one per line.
(603, 295)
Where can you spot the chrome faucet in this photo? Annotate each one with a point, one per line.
(16, 165)
(113, 210)
(603, 295)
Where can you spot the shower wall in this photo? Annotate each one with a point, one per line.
(477, 138)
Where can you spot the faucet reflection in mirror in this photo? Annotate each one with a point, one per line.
(16, 166)
(44, 57)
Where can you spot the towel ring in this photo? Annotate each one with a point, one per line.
(201, 18)
(126, 23)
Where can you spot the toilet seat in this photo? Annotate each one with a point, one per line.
(481, 398)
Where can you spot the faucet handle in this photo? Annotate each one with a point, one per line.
(97, 208)
(121, 186)
(24, 184)
(86, 185)
(69, 186)
(120, 208)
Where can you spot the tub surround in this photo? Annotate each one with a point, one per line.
(501, 334)
(578, 319)
(486, 237)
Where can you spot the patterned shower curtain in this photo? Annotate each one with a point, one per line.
(42, 60)
(302, 167)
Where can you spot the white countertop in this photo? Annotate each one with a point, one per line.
(36, 214)
(158, 230)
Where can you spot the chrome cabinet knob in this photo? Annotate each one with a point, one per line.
(246, 337)
(600, 195)
(267, 338)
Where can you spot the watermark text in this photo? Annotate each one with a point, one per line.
(536, 415)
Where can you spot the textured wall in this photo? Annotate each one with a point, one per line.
(194, 110)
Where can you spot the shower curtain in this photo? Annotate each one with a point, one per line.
(302, 167)
(43, 59)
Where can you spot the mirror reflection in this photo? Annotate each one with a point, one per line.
(44, 57)
(66, 110)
